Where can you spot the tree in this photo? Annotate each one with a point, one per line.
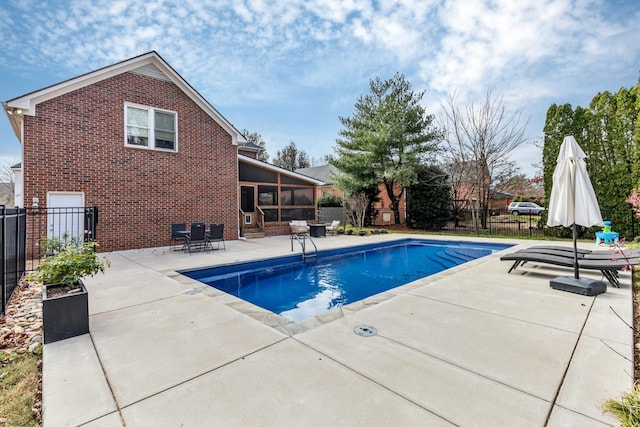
(256, 138)
(523, 187)
(291, 158)
(7, 179)
(561, 120)
(429, 200)
(609, 133)
(330, 201)
(480, 139)
(6, 174)
(357, 206)
(386, 138)
(321, 161)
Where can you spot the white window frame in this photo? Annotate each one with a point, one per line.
(152, 128)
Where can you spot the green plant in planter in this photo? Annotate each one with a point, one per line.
(65, 303)
(362, 232)
(68, 262)
(349, 232)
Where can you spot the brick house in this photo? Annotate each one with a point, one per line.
(135, 140)
(384, 212)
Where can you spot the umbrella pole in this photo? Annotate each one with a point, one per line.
(576, 271)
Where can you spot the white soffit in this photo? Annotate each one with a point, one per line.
(150, 70)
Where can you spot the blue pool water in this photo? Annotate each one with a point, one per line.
(296, 289)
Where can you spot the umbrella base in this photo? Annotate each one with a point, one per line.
(587, 287)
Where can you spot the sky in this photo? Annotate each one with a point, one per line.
(289, 69)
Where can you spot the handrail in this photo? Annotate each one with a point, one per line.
(241, 221)
(260, 219)
(303, 244)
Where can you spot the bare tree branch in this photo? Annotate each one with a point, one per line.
(480, 138)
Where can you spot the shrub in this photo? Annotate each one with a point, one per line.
(627, 409)
(68, 261)
(330, 201)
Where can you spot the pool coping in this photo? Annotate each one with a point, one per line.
(115, 381)
(291, 328)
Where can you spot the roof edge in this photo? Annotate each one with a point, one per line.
(274, 168)
(27, 103)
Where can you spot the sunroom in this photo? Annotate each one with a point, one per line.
(270, 197)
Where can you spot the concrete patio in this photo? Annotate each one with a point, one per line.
(471, 346)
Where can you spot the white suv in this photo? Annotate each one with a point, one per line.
(517, 208)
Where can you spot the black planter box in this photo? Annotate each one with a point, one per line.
(66, 316)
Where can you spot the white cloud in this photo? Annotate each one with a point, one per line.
(266, 55)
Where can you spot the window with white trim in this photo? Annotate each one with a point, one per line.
(151, 128)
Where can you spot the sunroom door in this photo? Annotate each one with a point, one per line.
(248, 202)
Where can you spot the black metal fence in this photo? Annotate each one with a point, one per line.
(12, 250)
(24, 229)
(498, 222)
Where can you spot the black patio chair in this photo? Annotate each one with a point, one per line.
(178, 234)
(216, 234)
(197, 237)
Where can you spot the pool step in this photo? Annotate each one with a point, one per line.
(451, 257)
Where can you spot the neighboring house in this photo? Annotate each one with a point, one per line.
(135, 140)
(325, 174)
(500, 200)
(464, 198)
(249, 149)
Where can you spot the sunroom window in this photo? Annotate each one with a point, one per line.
(151, 128)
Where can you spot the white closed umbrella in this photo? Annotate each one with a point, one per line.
(573, 201)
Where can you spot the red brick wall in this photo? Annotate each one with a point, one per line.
(383, 206)
(76, 143)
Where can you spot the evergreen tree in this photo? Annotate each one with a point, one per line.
(608, 132)
(385, 139)
(429, 200)
(291, 158)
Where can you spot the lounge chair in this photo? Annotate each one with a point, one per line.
(583, 254)
(333, 228)
(607, 267)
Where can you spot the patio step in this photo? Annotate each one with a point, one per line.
(253, 233)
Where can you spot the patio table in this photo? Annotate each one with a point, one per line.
(318, 230)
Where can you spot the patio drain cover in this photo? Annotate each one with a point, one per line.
(365, 331)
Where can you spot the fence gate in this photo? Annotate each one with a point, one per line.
(22, 231)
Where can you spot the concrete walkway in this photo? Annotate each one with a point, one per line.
(471, 346)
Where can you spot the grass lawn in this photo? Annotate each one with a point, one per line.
(19, 389)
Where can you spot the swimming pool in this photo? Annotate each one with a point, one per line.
(297, 289)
